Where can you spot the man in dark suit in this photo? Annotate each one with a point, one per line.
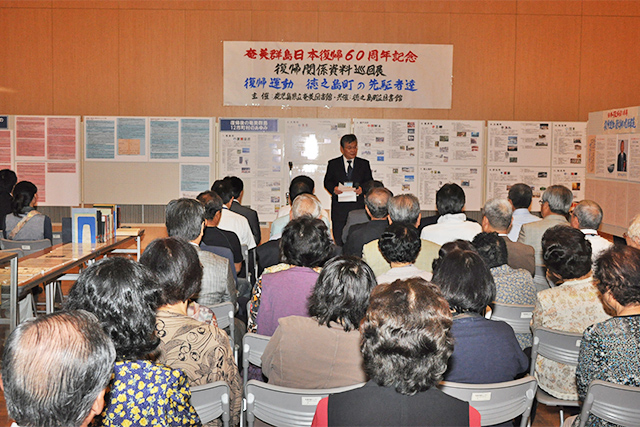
(622, 158)
(348, 170)
(252, 216)
(375, 203)
(497, 217)
(360, 216)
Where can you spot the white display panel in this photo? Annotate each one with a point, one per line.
(452, 142)
(519, 143)
(387, 141)
(432, 178)
(500, 180)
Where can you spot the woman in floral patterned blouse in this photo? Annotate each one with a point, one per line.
(199, 349)
(124, 296)
(610, 350)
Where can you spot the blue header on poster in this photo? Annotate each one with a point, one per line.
(249, 125)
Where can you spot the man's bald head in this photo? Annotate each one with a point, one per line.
(376, 201)
(306, 204)
(55, 370)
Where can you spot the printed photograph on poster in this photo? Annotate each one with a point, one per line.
(500, 179)
(450, 142)
(131, 139)
(572, 178)
(432, 178)
(398, 179)
(621, 157)
(387, 141)
(314, 140)
(519, 143)
(194, 179)
(569, 144)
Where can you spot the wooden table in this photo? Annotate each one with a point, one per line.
(52, 264)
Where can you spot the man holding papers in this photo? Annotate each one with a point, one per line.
(345, 175)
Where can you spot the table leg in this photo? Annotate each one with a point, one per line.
(50, 296)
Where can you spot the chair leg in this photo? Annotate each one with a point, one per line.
(561, 416)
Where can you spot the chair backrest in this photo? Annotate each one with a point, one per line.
(27, 246)
(224, 315)
(225, 253)
(497, 402)
(253, 346)
(283, 406)
(517, 316)
(211, 401)
(615, 403)
(561, 347)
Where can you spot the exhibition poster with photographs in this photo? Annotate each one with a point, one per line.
(456, 143)
(431, 178)
(569, 144)
(252, 149)
(398, 179)
(314, 141)
(634, 157)
(387, 141)
(500, 180)
(519, 143)
(606, 156)
(572, 178)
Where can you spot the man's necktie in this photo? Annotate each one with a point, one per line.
(349, 170)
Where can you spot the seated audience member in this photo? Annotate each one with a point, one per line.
(185, 220)
(299, 185)
(8, 180)
(297, 355)
(124, 297)
(512, 286)
(520, 196)
(587, 217)
(198, 349)
(215, 236)
(304, 205)
(610, 350)
(375, 204)
(360, 216)
(404, 208)
(400, 245)
(236, 206)
(25, 222)
(452, 224)
(406, 342)
(230, 220)
(283, 289)
(56, 369)
(486, 351)
(571, 306)
(554, 207)
(497, 218)
(632, 236)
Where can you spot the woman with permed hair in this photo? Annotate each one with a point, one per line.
(486, 351)
(571, 306)
(283, 289)
(124, 296)
(610, 350)
(25, 222)
(297, 355)
(406, 342)
(200, 350)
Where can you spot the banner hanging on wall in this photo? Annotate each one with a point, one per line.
(338, 75)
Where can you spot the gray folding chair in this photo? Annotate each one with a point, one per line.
(616, 403)
(211, 401)
(283, 406)
(561, 347)
(497, 402)
(27, 246)
(517, 316)
(253, 346)
(224, 315)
